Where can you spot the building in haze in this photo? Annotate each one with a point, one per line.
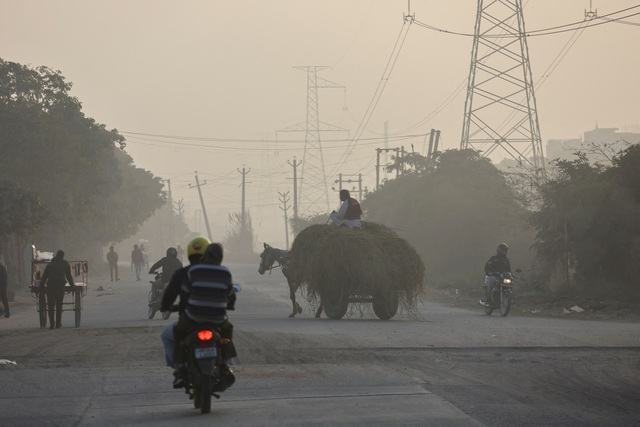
(609, 140)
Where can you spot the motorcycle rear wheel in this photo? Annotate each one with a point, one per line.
(205, 394)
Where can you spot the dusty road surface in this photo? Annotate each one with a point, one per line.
(442, 366)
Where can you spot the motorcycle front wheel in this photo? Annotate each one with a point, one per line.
(505, 302)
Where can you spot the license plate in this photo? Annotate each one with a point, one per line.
(206, 353)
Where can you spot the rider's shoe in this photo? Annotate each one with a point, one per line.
(178, 378)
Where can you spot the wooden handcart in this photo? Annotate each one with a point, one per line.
(73, 294)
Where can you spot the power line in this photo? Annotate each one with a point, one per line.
(382, 84)
(540, 32)
(236, 140)
(157, 142)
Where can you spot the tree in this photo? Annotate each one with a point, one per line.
(75, 167)
(588, 228)
(454, 212)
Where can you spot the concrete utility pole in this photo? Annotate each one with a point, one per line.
(172, 233)
(434, 140)
(284, 200)
(244, 172)
(295, 165)
(341, 181)
(198, 186)
(395, 150)
(378, 150)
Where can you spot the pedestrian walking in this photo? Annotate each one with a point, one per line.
(112, 259)
(55, 277)
(137, 261)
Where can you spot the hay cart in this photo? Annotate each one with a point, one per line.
(368, 265)
(73, 294)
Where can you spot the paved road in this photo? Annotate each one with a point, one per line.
(439, 366)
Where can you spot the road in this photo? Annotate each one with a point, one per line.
(439, 366)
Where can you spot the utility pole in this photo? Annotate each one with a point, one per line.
(342, 180)
(295, 165)
(198, 186)
(284, 200)
(386, 145)
(378, 150)
(500, 111)
(171, 218)
(244, 172)
(397, 163)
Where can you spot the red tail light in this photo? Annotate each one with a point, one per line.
(205, 335)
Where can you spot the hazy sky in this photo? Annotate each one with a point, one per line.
(224, 69)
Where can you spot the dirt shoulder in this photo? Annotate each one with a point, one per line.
(548, 305)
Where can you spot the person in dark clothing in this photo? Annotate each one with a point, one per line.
(137, 260)
(169, 264)
(494, 267)
(206, 293)
(350, 213)
(112, 259)
(4, 284)
(55, 277)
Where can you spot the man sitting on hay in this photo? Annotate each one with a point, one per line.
(350, 214)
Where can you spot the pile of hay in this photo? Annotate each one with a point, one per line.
(366, 262)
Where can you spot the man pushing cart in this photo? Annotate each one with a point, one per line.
(52, 279)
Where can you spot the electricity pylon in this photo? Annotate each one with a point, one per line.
(500, 109)
(314, 191)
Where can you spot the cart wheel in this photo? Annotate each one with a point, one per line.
(42, 309)
(385, 306)
(335, 303)
(78, 307)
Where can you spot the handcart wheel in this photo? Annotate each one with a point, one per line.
(42, 309)
(78, 306)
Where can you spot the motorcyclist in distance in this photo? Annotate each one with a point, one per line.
(494, 267)
(169, 264)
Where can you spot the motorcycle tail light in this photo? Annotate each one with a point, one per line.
(205, 335)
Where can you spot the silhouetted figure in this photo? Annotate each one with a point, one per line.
(55, 277)
(349, 214)
(4, 284)
(137, 260)
(112, 259)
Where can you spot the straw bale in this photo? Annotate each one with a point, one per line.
(365, 261)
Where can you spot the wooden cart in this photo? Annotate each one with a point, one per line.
(73, 294)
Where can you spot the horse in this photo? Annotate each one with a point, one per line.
(268, 258)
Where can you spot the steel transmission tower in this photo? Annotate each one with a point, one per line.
(314, 191)
(500, 109)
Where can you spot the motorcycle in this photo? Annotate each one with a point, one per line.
(155, 297)
(500, 295)
(206, 371)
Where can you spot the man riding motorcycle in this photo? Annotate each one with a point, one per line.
(169, 264)
(495, 266)
(206, 293)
